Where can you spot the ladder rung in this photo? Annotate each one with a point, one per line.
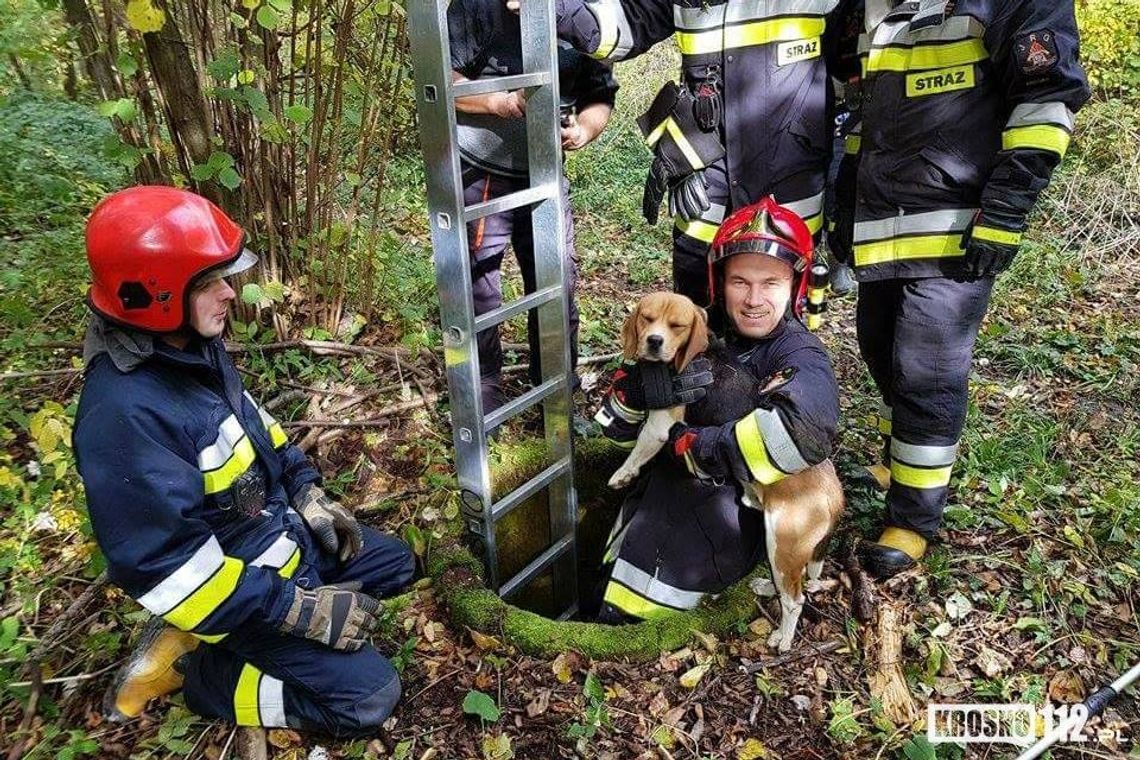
(522, 403)
(509, 201)
(528, 489)
(484, 85)
(537, 565)
(503, 313)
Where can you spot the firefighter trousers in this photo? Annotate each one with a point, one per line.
(917, 338)
(259, 676)
(487, 240)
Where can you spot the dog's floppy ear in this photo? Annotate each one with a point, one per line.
(698, 339)
(629, 337)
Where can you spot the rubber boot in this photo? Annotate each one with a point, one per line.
(150, 671)
(840, 278)
(896, 550)
(250, 744)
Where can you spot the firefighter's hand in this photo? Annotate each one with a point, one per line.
(986, 259)
(689, 197)
(335, 617)
(336, 529)
(509, 105)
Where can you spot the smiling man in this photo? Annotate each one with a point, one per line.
(683, 530)
(207, 515)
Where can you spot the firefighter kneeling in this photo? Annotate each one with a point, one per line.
(207, 515)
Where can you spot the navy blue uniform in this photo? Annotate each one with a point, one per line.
(683, 531)
(967, 108)
(770, 62)
(486, 41)
(189, 483)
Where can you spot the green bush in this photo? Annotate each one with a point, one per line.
(1110, 45)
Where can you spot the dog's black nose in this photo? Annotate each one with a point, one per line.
(654, 342)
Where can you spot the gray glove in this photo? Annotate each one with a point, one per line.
(333, 525)
(335, 617)
(689, 196)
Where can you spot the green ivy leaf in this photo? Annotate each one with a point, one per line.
(593, 688)
(919, 748)
(267, 17)
(225, 65)
(123, 108)
(219, 160)
(251, 293)
(478, 703)
(299, 114)
(126, 64)
(201, 172)
(229, 178)
(274, 291)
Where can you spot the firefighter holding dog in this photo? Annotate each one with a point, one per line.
(264, 589)
(684, 530)
(751, 117)
(967, 108)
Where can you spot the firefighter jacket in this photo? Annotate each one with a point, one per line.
(770, 62)
(679, 537)
(188, 484)
(967, 109)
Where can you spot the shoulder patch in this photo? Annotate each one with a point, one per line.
(777, 379)
(1037, 52)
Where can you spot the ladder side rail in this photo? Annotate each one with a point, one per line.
(435, 105)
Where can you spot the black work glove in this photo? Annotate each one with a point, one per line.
(689, 197)
(986, 255)
(334, 617)
(336, 529)
(656, 183)
(654, 385)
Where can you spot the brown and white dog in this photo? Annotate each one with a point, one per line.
(800, 511)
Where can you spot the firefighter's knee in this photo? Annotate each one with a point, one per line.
(364, 697)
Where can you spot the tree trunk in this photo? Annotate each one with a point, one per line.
(187, 115)
(23, 77)
(95, 60)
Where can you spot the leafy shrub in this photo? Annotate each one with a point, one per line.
(1110, 45)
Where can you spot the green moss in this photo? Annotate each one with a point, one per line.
(459, 578)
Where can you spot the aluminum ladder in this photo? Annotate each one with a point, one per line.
(435, 103)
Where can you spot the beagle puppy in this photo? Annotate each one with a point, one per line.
(800, 511)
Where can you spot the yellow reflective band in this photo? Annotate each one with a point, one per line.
(814, 223)
(814, 321)
(634, 604)
(994, 235)
(815, 295)
(624, 444)
(238, 462)
(246, 712)
(753, 33)
(210, 639)
(277, 435)
(290, 566)
(652, 138)
(852, 144)
(934, 82)
(884, 425)
(697, 229)
(674, 130)
(208, 597)
(920, 477)
(751, 445)
(905, 248)
(938, 56)
(1040, 136)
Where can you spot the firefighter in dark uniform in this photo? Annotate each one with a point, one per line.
(263, 588)
(486, 41)
(967, 108)
(751, 118)
(684, 530)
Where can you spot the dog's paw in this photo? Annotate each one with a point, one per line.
(778, 641)
(622, 478)
(763, 587)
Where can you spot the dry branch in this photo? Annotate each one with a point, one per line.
(886, 678)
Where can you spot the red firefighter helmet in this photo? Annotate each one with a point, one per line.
(767, 228)
(148, 245)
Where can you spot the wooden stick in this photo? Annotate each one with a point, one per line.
(783, 659)
(378, 419)
(40, 373)
(583, 361)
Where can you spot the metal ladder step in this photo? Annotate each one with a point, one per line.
(510, 201)
(503, 506)
(503, 313)
(500, 84)
(522, 403)
(536, 566)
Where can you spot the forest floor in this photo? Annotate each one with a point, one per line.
(1031, 593)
